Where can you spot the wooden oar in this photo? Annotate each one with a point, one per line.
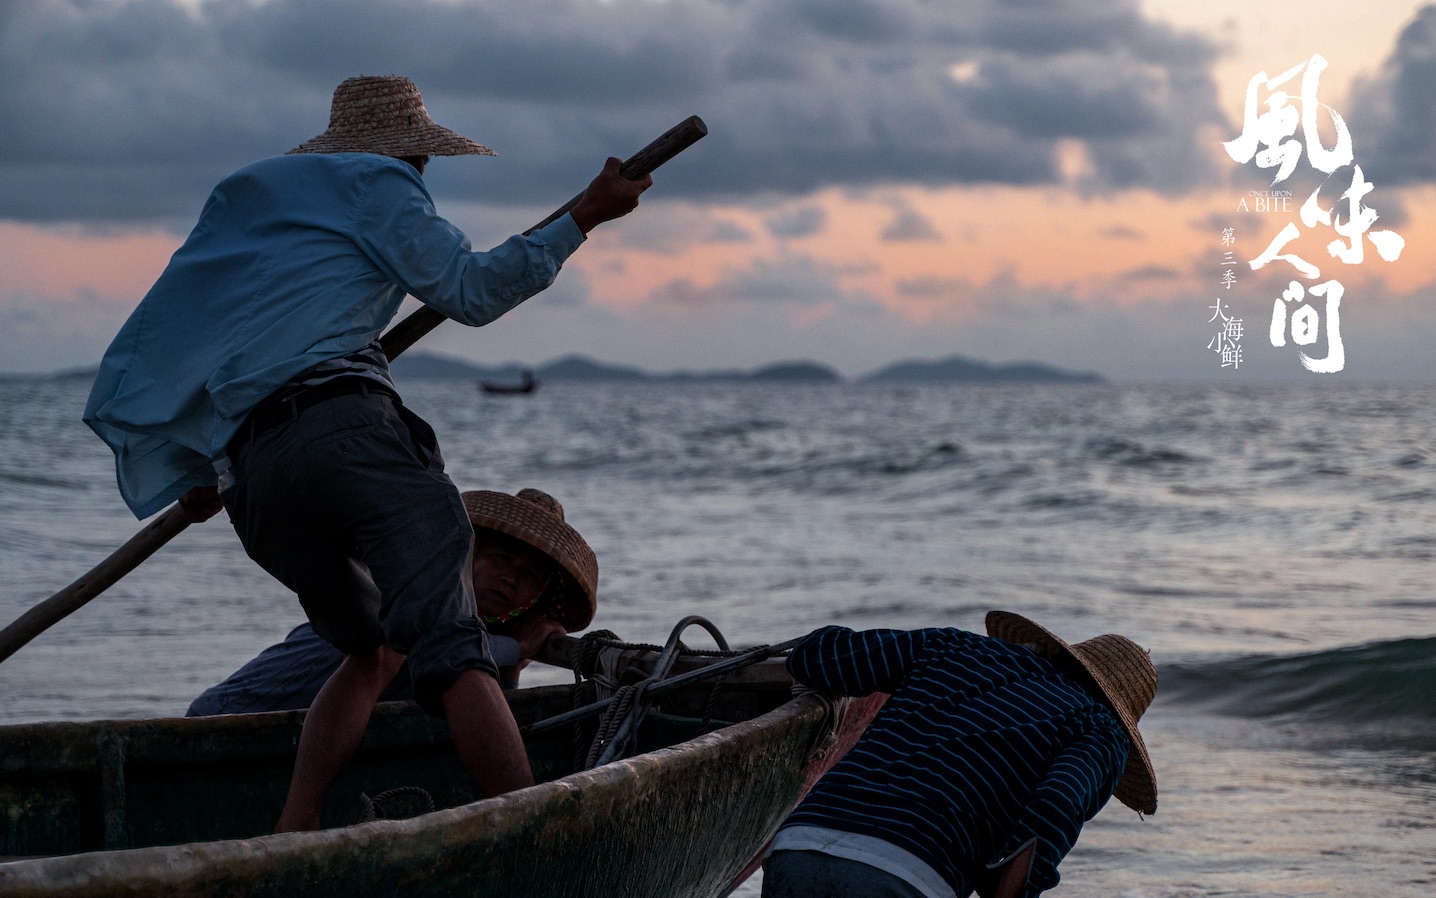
(399, 338)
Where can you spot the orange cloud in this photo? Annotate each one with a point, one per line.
(1120, 250)
(65, 262)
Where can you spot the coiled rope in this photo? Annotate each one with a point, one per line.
(617, 728)
(389, 805)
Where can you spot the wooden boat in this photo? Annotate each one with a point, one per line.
(183, 806)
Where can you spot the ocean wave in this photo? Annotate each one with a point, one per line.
(742, 456)
(40, 479)
(1133, 454)
(1372, 683)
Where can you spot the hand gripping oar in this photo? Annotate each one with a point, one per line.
(677, 139)
(399, 338)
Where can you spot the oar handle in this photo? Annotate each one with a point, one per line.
(100, 578)
(673, 141)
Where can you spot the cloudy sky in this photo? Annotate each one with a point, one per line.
(1037, 180)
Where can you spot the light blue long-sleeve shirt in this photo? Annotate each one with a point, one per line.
(295, 260)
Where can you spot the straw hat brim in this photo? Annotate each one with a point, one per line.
(574, 601)
(428, 139)
(1114, 663)
(385, 115)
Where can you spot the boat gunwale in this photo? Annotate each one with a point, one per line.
(197, 867)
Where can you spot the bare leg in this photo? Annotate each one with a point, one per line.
(332, 731)
(485, 734)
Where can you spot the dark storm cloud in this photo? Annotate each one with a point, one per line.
(1393, 119)
(129, 110)
(909, 225)
(804, 221)
(929, 287)
(791, 280)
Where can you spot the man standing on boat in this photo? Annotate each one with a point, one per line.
(979, 771)
(534, 577)
(251, 374)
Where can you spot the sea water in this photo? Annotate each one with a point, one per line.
(1271, 545)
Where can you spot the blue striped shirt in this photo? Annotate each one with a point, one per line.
(982, 747)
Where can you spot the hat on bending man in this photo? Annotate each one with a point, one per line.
(527, 527)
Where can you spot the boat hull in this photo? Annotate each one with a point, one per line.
(687, 820)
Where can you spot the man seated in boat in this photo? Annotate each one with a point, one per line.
(534, 576)
(979, 771)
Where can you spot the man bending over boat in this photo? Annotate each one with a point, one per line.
(251, 374)
(980, 770)
(534, 576)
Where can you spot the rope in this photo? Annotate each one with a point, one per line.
(585, 657)
(625, 700)
(611, 641)
(827, 736)
(711, 706)
(585, 688)
(374, 808)
(628, 701)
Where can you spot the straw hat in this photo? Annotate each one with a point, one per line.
(385, 115)
(536, 518)
(1124, 673)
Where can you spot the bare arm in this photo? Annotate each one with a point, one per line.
(1013, 879)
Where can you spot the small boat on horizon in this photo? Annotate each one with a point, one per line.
(527, 385)
(185, 806)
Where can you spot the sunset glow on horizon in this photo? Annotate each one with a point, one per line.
(967, 259)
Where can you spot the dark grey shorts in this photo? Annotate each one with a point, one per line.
(348, 505)
(812, 874)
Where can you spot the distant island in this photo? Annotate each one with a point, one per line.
(956, 369)
(582, 369)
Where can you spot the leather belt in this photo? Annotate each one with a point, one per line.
(277, 410)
